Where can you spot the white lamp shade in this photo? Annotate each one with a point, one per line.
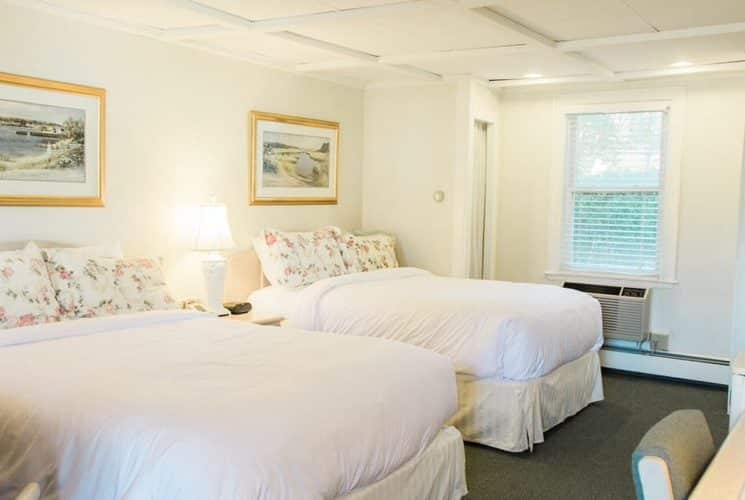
(214, 229)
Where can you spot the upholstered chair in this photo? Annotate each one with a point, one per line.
(672, 456)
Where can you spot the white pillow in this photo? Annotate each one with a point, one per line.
(368, 252)
(26, 294)
(298, 259)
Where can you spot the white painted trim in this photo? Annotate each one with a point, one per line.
(632, 100)
(700, 31)
(665, 367)
(736, 400)
(609, 279)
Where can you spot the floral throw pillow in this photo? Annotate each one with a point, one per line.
(368, 252)
(85, 286)
(88, 286)
(26, 295)
(300, 259)
(143, 285)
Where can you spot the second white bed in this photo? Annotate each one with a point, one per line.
(525, 354)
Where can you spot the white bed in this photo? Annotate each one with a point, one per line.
(177, 405)
(525, 354)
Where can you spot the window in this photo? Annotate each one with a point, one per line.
(615, 166)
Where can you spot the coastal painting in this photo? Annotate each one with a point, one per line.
(51, 143)
(41, 143)
(294, 160)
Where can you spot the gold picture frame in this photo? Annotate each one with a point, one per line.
(24, 94)
(279, 143)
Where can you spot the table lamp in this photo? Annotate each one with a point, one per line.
(214, 237)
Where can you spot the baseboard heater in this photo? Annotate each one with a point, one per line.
(667, 354)
(630, 346)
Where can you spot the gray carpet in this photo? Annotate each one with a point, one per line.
(588, 456)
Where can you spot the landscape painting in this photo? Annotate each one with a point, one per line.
(52, 143)
(294, 160)
(41, 143)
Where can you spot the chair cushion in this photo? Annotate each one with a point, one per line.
(683, 440)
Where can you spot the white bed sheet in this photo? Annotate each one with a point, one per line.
(177, 405)
(274, 301)
(515, 331)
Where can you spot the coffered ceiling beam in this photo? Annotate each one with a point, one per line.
(701, 31)
(414, 57)
(528, 82)
(625, 75)
(512, 25)
(228, 23)
(454, 54)
(364, 57)
(540, 39)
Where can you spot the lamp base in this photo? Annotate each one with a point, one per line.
(214, 280)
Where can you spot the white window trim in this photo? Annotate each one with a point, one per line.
(672, 99)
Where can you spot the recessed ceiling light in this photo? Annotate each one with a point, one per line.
(681, 64)
(532, 75)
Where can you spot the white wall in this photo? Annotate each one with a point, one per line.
(698, 311)
(409, 154)
(177, 133)
(418, 139)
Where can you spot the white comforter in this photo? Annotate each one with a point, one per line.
(516, 331)
(180, 406)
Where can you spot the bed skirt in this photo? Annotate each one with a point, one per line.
(438, 473)
(512, 416)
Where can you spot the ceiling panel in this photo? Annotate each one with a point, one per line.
(269, 46)
(667, 15)
(573, 19)
(514, 65)
(263, 9)
(419, 27)
(368, 74)
(153, 13)
(661, 54)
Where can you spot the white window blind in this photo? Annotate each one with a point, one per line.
(615, 170)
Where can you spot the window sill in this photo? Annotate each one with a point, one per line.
(610, 279)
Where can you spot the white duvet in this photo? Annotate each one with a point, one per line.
(180, 406)
(516, 331)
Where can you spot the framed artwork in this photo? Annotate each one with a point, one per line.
(52, 143)
(294, 160)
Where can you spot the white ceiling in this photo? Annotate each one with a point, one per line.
(362, 42)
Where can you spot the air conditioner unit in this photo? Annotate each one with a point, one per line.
(625, 310)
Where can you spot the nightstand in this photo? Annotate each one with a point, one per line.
(258, 319)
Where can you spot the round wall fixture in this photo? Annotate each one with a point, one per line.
(438, 196)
